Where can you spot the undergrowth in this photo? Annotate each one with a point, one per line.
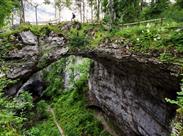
(69, 104)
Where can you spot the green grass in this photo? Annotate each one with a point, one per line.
(69, 105)
(163, 40)
(75, 119)
(44, 128)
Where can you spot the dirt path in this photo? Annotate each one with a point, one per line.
(55, 121)
(98, 115)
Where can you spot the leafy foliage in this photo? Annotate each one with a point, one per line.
(179, 3)
(126, 11)
(6, 7)
(156, 9)
(178, 121)
(164, 42)
(74, 118)
(12, 111)
(179, 100)
(56, 84)
(69, 105)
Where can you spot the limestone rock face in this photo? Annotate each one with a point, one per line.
(134, 98)
(129, 87)
(35, 85)
(28, 38)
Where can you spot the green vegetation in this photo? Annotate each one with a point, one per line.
(177, 123)
(23, 116)
(11, 123)
(69, 105)
(164, 42)
(6, 7)
(56, 86)
(75, 119)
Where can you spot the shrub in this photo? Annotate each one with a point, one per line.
(178, 121)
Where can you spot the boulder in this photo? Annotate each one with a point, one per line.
(28, 38)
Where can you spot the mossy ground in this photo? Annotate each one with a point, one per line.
(163, 40)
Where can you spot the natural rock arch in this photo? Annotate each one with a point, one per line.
(130, 88)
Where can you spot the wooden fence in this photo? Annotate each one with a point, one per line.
(55, 21)
(158, 20)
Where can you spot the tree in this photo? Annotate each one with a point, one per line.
(156, 8)
(83, 3)
(123, 11)
(179, 3)
(47, 2)
(59, 4)
(111, 12)
(91, 3)
(98, 9)
(6, 7)
(22, 12)
(36, 5)
(79, 5)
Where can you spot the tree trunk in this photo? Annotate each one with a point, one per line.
(55, 11)
(83, 10)
(91, 6)
(12, 19)
(59, 14)
(142, 4)
(22, 12)
(80, 11)
(36, 14)
(111, 12)
(98, 10)
(152, 2)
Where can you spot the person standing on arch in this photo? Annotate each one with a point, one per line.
(73, 16)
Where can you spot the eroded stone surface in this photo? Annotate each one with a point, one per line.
(133, 97)
(131, 88)
(28, 38)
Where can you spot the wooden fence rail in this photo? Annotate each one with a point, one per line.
(46, 22)
(158, 20)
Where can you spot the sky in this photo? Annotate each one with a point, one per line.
(47, 12)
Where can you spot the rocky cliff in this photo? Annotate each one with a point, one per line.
(129, 87)
(134, 98)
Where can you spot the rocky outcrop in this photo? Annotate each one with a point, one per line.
(134, 98)
(129, 87)
(28, 38)
(35, 85)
